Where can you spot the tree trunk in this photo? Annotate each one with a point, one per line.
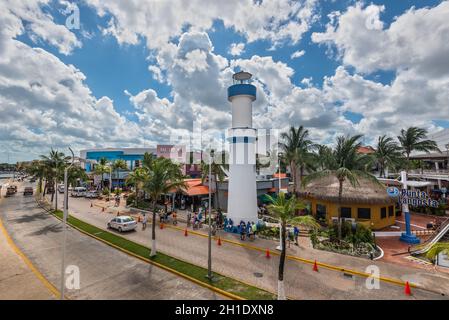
(53, 193)
(56, 195)
(294, 173)
(217, 203)
(382, 170)
(340, 196)
(40, 185)
(137, 194)
(408, 162)
(281, 289)
(153, 232)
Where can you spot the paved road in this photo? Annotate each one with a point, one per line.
(251, 266)
(105, 272)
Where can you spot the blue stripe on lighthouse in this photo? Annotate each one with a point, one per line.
(242, 89)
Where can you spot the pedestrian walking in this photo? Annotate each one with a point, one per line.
(296, 234)
(249, 230)
(289, 236)
(242, 230)
(175, 218)
(144, 222)
(189, 218)
(254, 227)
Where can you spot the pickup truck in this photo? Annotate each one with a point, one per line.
(28, 191)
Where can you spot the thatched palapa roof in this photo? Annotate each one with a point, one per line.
(366, 192)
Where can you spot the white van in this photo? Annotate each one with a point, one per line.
(60, 188)
(78, 192)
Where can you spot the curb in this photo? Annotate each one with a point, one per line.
(196, 281)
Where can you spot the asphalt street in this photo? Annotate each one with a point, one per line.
(105, 272)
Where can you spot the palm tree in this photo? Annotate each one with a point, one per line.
(101, 168)
(55, 163)
(162, 177)
(218, 172)
(414, 139)
(284, 210)
(387, 154)
(38, 170)
(137, 178)
(118, 165)
(346, 164)
(436, 249)
(296, 148)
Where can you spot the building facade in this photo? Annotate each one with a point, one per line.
(132, 156)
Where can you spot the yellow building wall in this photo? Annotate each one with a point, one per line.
(375, 223)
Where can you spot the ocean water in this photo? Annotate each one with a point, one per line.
(5, 175)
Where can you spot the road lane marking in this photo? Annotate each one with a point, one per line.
(30, 265)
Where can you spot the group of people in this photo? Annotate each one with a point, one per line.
(246, 230)
(195, 220)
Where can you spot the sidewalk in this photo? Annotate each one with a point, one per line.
(18, 280)
(243, 262)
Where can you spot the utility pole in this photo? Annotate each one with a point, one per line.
(64, 224)
(209, 248)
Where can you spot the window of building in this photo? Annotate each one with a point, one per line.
(364, 213)
(346, 212)
(383, 212)
(390, 211)
(320, 211)
(245, 139)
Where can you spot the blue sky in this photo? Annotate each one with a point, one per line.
(328, 74)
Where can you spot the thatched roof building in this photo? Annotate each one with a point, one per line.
(366, 192)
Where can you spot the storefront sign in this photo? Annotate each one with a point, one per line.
(417, 199)
(414, 198)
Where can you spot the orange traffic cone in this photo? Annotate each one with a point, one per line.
(267, 254)
(138, 219)
(91, 205)
(407, 290)
(185, 233)
(161, 226)
(315, 266)
(219, 241)
(102, 209)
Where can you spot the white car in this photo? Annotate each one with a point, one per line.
(78, 192)
(122, 223)
(92, 194)
(61, 188)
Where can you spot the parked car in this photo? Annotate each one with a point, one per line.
(92, 194)
(78, 192)
(14, 187)
(10, 191)
(28, 191)
(122, 223)
(32, 180)
(61, 188)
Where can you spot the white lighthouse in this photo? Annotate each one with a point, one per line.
(242, 193)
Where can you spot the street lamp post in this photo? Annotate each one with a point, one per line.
(279, 192)
(110, 182)
(209, 247)
(64, 224)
